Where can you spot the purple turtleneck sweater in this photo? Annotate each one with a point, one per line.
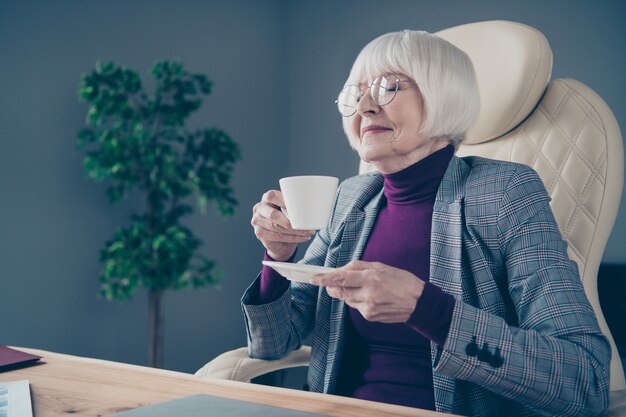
(391, 363)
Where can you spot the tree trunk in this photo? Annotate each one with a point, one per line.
(155, 323)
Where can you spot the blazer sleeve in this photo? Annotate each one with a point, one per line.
(555, 358)
(277, 328)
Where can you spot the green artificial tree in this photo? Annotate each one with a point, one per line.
(135, 142)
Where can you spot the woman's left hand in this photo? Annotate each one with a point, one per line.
(381, 293)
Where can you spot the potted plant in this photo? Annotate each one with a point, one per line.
(139, 143)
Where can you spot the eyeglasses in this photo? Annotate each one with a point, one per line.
(382, 90)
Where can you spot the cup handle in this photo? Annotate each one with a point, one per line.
(284, 210)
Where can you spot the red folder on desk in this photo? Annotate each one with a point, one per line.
(12, 359)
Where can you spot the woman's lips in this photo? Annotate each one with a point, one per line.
(373, 130)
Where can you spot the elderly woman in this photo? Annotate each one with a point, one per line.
(452, 290)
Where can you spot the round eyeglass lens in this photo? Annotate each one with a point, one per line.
(384, 89)
(348, 100)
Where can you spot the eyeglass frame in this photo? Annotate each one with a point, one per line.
(370, 87)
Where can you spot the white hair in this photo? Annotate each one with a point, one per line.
(444, 74)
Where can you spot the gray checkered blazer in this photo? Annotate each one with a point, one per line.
(523, 339)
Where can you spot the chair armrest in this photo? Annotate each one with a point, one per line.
(617, 404)
(236, 365)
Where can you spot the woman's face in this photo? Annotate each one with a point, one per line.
(389, 136)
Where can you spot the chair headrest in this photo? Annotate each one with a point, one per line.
(513, 64)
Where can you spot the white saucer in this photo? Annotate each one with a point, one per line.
(297, 272)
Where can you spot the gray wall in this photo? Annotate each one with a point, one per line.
(277, 66)
(53, 221)
(325, 37)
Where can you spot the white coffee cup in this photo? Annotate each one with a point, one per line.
(309, 200)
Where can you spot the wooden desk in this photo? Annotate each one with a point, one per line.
(70, 385)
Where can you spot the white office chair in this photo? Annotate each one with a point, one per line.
(561, 128)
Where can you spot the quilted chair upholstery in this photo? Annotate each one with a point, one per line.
(561, 128)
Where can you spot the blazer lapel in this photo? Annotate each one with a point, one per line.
(359, 221)
(356, 230)
(447, 230)
(446, 260)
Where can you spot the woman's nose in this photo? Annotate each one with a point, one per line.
(367, 105)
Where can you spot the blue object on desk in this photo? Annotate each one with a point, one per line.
(208, 406)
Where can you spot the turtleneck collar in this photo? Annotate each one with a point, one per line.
(420, 181)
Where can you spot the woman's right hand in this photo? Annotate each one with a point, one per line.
(273, 228)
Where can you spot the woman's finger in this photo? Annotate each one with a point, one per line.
(267, 235)
(359, 265)
(274, 198)
(270, 225)
(340, 278)
(274, 215)
(351, 295)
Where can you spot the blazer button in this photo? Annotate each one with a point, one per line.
(483, 354)
(472, 348)
(496, 360)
